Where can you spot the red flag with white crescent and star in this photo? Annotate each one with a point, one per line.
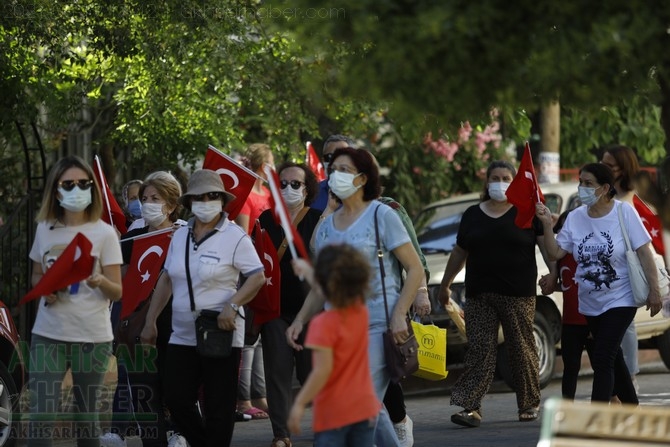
(237, 179)
(652, 223)
(146, 262)
(524, 191)
(313, 162)
(266, 302)
(74, 264)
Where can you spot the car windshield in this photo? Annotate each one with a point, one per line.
(436, 227)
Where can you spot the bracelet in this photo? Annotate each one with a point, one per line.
(423, 289)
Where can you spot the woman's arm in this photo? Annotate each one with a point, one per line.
(243, 221)
(322, 366)
(109, 281)
(414, 276)
(312, 305)
(649, 266)
(553, 251)
(159, 299)
(243, 295)
(455, 264)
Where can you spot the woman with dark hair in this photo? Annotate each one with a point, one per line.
(594, 235)
(73, 327)
(202, 268)
(354, 180)
(298, 188)
(500, 283)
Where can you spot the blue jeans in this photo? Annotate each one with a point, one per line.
(359, 434)
(385, 435)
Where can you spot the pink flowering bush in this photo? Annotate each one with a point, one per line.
(443, 165)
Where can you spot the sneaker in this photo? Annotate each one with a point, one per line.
(177, 440)
(110, 439)
(405, 432)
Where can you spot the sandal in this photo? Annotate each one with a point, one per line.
(281, 442)
(467, 418)
(256, 413)
(529, 414)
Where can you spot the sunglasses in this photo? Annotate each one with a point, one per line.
(68, 185)
(295, 184)
(328, 157)
(209, 195)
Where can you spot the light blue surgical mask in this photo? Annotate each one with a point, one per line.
(135, 208)
(587, 195)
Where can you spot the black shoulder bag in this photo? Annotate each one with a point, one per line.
(401, 359)
(211, 341)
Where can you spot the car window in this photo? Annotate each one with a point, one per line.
(437, 227)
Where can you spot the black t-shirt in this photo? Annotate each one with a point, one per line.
(501, 256)
(293, 291)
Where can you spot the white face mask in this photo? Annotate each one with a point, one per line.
(587, 195)
(152, 213)
(293, 197)
(75, 200)
(342, 184)
(497, 191)
(207, 211)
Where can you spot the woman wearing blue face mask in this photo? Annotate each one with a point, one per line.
(354, 180)
(593, 234)
(500, 286)
(73, 324)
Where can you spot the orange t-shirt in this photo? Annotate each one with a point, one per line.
(255, 205)
(348, 396)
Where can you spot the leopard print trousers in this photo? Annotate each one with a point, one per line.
(483, 314)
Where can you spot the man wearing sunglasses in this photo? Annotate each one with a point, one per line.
(332, 143)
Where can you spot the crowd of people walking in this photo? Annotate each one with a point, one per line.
(332, 307)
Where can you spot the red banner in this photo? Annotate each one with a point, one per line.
(146, 262)
(237, 179)
(313, 162)
(652, 223)
(266, 303)
(524, 191)
(111, 211)
(73, 265)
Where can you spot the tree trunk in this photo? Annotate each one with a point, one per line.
(550, 126)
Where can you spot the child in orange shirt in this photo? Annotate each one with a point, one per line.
(345, 404)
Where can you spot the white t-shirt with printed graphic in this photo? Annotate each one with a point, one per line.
(82, 313)
(598, 246)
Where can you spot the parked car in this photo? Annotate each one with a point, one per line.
(437, 226)
(12, 377)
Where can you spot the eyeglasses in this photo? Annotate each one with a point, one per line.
(209, 195)
(328, 157)
(68, 185)
(295, 184)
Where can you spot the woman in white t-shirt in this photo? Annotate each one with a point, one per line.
(72, 328)
(218, 252)
(593, 234)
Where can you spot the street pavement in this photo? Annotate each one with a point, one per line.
(430, 410)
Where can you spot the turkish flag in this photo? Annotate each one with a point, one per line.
(266, 303)
(237, 179)
(111, 211)
(293, 238)
(652, 223)
(146, 262)
(524, 192)
(73, 265)
(313, 162)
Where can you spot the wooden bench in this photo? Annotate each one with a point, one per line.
(583, 424)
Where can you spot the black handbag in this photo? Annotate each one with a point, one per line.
(211, 341)
(402, 359)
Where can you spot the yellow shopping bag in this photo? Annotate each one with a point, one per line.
(432, 351)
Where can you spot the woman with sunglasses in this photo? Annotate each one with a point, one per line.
(298, 188)
(354, 180)
(73, 327)
(204, 262)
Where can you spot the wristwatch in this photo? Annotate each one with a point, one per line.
(235, 307)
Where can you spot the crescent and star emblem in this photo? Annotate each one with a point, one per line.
(77, 253)
(566, 283)
(268, 279)
(153, 249)
(231, 174)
